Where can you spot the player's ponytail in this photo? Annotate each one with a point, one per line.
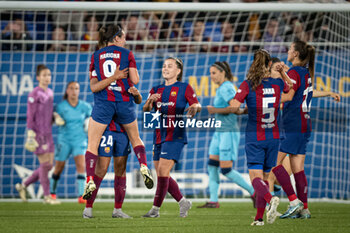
(108, 33)
(259, 69)
(227, 69)
(40, 68)
(102, 41)
(306, 56)
(179, 65)
(311, 63)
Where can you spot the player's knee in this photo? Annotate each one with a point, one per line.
(214, 163)
(226, 170)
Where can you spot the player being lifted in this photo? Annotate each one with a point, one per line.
(114, 142)
(262, 94)
(39, 133)
(297, 126)
(110, 87)
(72, 138)
(223, 147)
(170, 100)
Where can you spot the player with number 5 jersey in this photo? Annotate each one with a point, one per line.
(112, 72)
(262, 94)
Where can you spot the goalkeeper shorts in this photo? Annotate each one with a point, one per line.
(225, 144)
(114, 144)
(46, 144)
(66, 148)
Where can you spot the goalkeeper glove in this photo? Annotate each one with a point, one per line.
(86, 125)
(58, 119)
(31, 143)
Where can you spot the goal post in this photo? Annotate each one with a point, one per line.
(229, 32)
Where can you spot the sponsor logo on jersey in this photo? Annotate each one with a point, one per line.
(160, 104)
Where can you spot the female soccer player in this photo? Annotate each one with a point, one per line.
(223, 147)
(262, 94)
(114, 142)
(39, 134)
(297, 126)
(72, 138)
(170, 100)
(110, 87)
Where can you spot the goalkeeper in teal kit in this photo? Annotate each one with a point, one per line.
(223, 148)
(72, 137)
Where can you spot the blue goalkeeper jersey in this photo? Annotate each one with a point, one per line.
(74, 118)
(224, 94)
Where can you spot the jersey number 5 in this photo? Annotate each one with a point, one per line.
(267, 110)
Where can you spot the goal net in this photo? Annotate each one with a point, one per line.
(64, 38)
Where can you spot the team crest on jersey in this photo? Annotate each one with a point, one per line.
(107, 149)
(173, 93)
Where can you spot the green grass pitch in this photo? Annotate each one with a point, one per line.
(230, 217)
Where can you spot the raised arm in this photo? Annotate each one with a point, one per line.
(317, 93)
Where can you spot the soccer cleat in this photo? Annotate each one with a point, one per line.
(210, 205)
(271, 214)
(89, 188)
(49, 200)
(147, 177)
(185, 205)
(21, 191)
(153, 213)
(81, 200)
(304, 214)
(293, 210)
(118, 213)
(87, 213)
(53, 196)
(258, 222)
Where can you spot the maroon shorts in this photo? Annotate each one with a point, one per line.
(46, 144)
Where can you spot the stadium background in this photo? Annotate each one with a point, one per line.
(327, 163)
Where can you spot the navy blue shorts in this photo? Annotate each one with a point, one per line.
(104, 111)
(114, 144)
(168, 150)
(262, 155)
(294, 143)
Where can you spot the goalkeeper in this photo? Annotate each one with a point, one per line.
(39, 134)
(72, 137)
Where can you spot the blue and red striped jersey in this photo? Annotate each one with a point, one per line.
(296, 113)
(171, 105)
(263, 108)
(103, 65)
(115, 127)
